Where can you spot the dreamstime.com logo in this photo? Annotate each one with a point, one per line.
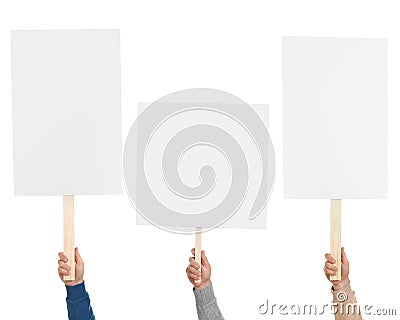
(187, 161)
(342, 307)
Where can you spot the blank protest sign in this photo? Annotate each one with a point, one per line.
(66, 112)
(66, 117)
(241, 217)
(334, 117)
(193, 157)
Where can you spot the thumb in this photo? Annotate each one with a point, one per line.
(78, 258)
(344, 257)
(204, 260)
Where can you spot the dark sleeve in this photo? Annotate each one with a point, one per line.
(78, 303)
(206, 304)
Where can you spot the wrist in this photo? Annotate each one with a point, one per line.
(337, 285)
(203, 285)
(73, 283)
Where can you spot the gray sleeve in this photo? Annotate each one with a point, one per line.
(206, 304)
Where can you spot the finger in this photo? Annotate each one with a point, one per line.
(330, 266)
(330, 272)
(193, 263)
(192, 275)
(193, 251)
(329, 258)
(63, 272)
(62, 257)
(194, 271)
(78, 258)
(204, 260)
(63, 265)
(344, 257)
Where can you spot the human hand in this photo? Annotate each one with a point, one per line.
(65, 270)
(199, 279)
(331, 270)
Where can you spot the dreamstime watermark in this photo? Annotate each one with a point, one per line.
(342, 307)
(169, 129)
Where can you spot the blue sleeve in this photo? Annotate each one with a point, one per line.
(78, 303)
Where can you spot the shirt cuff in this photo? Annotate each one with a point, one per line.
(343, 294)
(76, 292)
(204, 296)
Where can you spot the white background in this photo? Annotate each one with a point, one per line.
(138, 272)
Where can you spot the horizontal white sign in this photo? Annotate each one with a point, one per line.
(241, 218)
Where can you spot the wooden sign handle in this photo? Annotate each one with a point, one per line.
(69, 245)
(197, 249)
(336, 233)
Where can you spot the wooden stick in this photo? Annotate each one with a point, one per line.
(336, 233)
(69, 246)
(197, 248)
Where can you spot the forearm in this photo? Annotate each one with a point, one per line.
(345, 304)
(78, 303)
(206, 304)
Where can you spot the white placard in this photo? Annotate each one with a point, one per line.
(335, 117)
(241, 218)
(66, 112)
